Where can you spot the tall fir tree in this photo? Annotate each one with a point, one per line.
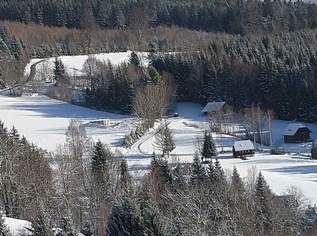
(263, 197)
(59, 71)
(164, 140)
(198, 173)
(126, 219)
(236, 182)
(219, 173)
(125, 178)
(99, 167)
(209, 150)
(211, 172)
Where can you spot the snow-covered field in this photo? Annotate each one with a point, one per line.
(282, 172)
(44, 121)
(74, 64)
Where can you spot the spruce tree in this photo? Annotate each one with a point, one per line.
(209, 150)
(14, 134)
(99, 167)
(125, 179)
(101, 155)
(198, 174)
(154, 75)
(164, 140)
(178, 179)
(263, 197)
(59, 71)
(219, 173)
(211, 172)
(125, 219)
(236, 182)
(134, 59)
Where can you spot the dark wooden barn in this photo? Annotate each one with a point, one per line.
(243, 148)
(296, 133)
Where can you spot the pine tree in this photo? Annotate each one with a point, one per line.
(125, 219)
(59, 71)
(101, 155)
(164, 170)
(209, 150)
(198, 174)
(211, 172)
(178, 180)
(236, 182)
(125, 179)
(134, 59)
(219, 173)
(263, 197)
(164, 140)
(99, 167)
(154, 75)
(14, 134)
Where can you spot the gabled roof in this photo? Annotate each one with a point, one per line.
(291, 129)
(213, 106)
(243, 145)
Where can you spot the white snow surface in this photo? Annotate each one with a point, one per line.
(44, 121)
(282, 172)
(74, 64)
(17, 227)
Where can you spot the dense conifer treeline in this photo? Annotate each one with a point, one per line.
(276, 72)
(233, 16)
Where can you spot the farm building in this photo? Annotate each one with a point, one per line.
(215, 107)
(296, 133)
(243, 148)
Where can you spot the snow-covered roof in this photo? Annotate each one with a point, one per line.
(291, 129)
(243, 145)
(213, 106)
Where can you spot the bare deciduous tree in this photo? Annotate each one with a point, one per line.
(152, 101)
(90, 68)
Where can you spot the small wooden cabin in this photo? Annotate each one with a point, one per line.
(296, 133)
(243, 148)
(215, 107)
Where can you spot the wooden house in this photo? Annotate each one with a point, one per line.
(243, 148)
(296, 133)
(216, 107)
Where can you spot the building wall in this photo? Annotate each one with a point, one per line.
(302, 135)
